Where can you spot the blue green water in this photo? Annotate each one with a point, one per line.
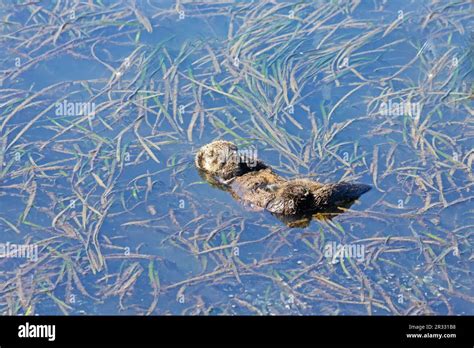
(124, 224)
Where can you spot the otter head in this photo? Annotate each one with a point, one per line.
(221, 159)
(218, 158)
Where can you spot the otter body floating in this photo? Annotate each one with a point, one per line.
(256, 185)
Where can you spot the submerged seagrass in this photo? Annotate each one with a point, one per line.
(256, 185)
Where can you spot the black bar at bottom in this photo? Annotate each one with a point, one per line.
(430, 331)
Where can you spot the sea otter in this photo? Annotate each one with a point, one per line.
(258, 186)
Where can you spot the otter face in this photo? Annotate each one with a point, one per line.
(218, 158)
(223, 160)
